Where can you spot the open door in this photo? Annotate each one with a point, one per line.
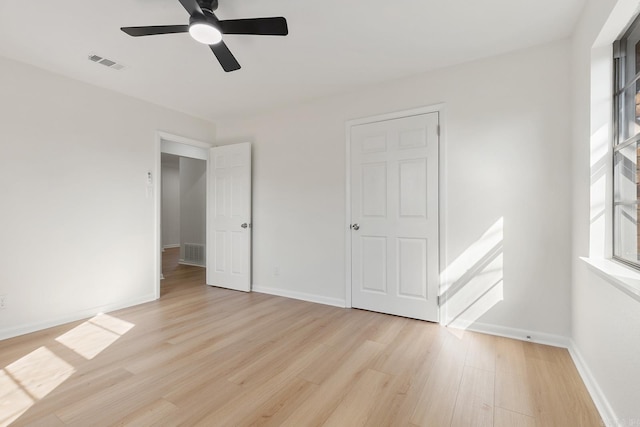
(229, 217)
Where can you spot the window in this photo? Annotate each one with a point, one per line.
(626, 146)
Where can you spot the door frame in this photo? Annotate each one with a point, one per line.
(181, 143)
(436, 108)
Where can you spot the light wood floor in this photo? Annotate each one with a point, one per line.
(213, 357)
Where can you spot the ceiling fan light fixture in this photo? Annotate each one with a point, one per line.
(205, 33)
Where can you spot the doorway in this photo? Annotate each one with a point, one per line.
(225, 225)
(393, 214)
(183, 213)
(183, 199)
(180, 209)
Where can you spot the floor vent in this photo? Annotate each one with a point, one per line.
(194, 253)
(106, 62)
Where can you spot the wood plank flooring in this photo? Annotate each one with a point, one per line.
(213, 357)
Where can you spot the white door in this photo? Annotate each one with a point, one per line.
(394, 216)
(229, 217)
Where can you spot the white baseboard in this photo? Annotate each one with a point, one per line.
(336, 302)
(171, 246)
(79, 315)
(519, 334)
(599, 399)
(181, 262)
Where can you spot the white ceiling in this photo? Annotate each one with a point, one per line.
(333, 46)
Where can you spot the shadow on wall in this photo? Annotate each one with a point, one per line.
(473, 282)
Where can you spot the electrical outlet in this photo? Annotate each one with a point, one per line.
(3, 302)
(276, 271)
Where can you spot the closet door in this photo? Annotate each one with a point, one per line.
(394, 216)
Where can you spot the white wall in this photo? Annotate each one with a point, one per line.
(507, 149)
(78, 230)
(606, 321)
(170, 204)
(192, 202)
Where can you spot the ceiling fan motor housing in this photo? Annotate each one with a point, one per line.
(206, 18)
(208, 5)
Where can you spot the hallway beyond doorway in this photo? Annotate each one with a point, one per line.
(179, 276)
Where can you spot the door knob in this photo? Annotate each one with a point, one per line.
(244, 225)
(355, 227)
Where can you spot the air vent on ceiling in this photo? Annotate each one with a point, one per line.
(106, 62)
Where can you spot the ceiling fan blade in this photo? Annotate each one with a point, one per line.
(225, 57)
(257, 26)
(192, 6)
(154, 30)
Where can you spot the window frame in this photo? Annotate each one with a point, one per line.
(620, 118)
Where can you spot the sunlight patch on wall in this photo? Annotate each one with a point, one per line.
(93, 336)
(599, 165)
(599, 146)
(473, 282)
(599, 189)
(600, 160)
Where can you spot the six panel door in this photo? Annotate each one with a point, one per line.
(394, 216)
(229, 217)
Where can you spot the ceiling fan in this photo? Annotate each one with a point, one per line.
(206, 28)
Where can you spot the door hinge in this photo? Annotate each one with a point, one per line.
(438, 299)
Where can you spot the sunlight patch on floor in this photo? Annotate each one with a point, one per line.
(35, 375)
(29, 379)
(40, 372)
(13, 400)
(93, 336)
